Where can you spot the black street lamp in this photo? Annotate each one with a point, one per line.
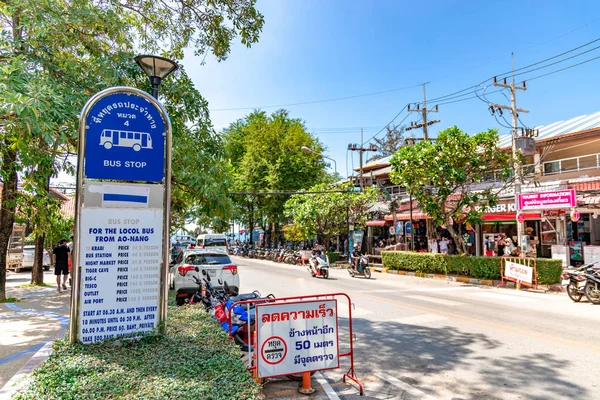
(157, 69)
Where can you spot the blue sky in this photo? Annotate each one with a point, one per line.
(322, 49)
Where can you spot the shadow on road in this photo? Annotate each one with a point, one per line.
(420, 355)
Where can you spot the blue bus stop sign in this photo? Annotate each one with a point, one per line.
(125, 139)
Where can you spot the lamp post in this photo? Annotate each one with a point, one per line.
(309, 150)
(157, 69)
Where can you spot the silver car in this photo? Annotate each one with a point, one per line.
(28, 257)
(217, 265)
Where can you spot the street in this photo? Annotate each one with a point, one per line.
(428, 339)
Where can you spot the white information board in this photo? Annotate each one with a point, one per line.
(518, 272)
(120, 256)
(297, 337)
(591, 254)
(560, 252)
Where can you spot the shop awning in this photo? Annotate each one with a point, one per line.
(406, 216)
(376, 223)
(508, 216)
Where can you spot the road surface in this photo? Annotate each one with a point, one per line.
(428, 339)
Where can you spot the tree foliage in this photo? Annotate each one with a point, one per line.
(326, 210)
(446, 176)
(265, 152)
(55, 54)
(388, 144)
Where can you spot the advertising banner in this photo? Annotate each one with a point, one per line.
(121, 254)
(547, 200)
(297, 337)
(518, 272)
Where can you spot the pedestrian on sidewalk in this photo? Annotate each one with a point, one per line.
(61, 257)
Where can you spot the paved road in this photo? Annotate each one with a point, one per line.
(40, 316)
(427, 339)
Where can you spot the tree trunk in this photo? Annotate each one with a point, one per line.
(460, 246)
(7, 209)
(37, 271)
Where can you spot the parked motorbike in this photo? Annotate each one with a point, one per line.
(592, 286)
(362, 268)
(319, 266)
(575, 281)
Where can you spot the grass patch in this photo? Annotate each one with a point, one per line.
(27, 285)
(194, 360)
(10, 300)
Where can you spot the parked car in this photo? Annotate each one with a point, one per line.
(28, 256)
(217, 265)
(212, 241)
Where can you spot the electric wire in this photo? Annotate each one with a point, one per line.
(389, 123)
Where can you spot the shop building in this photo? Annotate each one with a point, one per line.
(567, 157)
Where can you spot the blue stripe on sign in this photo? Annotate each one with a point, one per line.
(125, 197)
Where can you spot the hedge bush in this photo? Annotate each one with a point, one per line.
(548, 270)
(193, 360)
(333, 257)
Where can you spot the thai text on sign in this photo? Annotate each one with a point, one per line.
(547, 200)
(297, 337)
(518, 272)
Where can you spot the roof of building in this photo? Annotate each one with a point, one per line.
(578, 124)
(381, 162)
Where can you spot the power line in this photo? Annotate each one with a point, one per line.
(317, 101)
(451, 96)
(389, 123)
(563, 69)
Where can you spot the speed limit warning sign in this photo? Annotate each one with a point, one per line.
(273, 350)
(297, 337)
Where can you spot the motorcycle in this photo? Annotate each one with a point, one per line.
(575, 281)
(319, 266)
(592, 286)
(363, 268)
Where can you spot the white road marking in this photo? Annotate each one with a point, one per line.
(436, 300)
(326, 387)
(404, 386)
(442, 289)
(503, 297)
(421, 319)
(377, 291)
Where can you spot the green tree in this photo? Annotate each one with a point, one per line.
(54, 54)
(326, 210)
(445, 175)
(265, 152)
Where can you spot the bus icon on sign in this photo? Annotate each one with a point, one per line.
(119, 138)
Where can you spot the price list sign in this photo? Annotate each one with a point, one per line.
(121, 253)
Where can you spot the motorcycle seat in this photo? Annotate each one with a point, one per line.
(242, 297)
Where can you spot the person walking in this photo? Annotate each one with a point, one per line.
(61, 257)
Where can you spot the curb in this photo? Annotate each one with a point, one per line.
(21, 378)
(462, 279)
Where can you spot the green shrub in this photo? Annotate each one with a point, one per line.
(333, 256)
(548, 270)
(194, 360)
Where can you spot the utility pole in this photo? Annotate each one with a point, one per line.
(423, 112)
(361, 149)
(515, 115)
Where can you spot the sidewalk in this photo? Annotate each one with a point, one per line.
(40, 316)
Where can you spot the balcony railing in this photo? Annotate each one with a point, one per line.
(573, 164)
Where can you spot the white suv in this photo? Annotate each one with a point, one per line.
(216, 264)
